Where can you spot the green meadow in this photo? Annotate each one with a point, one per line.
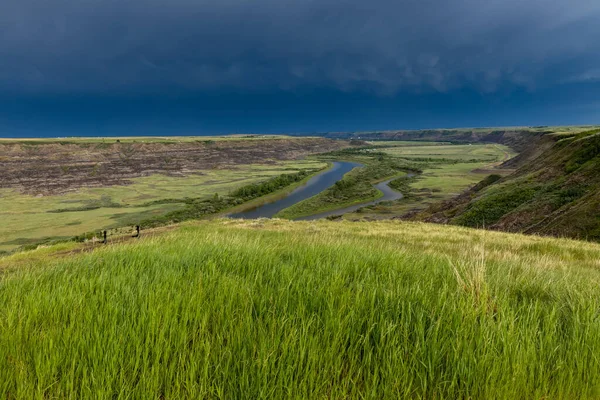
(446, 151)
(278, 309)
(451, 167)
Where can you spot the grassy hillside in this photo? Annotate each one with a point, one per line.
(556, 193)
(274, 309)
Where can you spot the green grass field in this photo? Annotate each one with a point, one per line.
(479, 152)
(279, 309)
(451, 179)
(29, 219)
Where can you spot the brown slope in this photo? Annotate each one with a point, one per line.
(51, 168)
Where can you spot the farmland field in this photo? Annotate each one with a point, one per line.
(454, 167)
(445, 151)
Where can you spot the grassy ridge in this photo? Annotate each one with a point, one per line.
(272, 309)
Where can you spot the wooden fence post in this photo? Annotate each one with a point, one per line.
(104, 237)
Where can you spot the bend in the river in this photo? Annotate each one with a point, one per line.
(314, 186)
(389, 194)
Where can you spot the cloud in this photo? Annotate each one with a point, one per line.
(381, 46)
(592, 75)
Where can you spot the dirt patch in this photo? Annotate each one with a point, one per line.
(54, 168)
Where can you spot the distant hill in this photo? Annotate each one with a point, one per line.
(555, 190)
(516, 137)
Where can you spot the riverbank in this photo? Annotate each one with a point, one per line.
(314, 186)
(387, 194)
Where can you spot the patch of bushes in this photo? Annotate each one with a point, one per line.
(568, 195)
(166, 201)
(88, 207)
(589, 150)
(349, 189)
(103, 202)
(194, 209)
(260, 189)
(88, 236)
(402, 185)
(199, 208)
(487, 181)
(353, 151)
(493, 206)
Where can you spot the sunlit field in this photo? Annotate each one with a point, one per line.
(273, 309)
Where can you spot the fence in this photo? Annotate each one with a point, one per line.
(116, 235)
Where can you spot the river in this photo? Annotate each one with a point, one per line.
(314, 186)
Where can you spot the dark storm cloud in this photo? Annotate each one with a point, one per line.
(381, 46)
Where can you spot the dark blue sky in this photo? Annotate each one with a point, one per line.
(113, 67)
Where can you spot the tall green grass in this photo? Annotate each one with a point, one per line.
(274, 309)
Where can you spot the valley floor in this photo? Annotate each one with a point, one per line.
(55, 190)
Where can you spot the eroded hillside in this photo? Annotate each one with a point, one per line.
(553, 193)
(60, 166)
